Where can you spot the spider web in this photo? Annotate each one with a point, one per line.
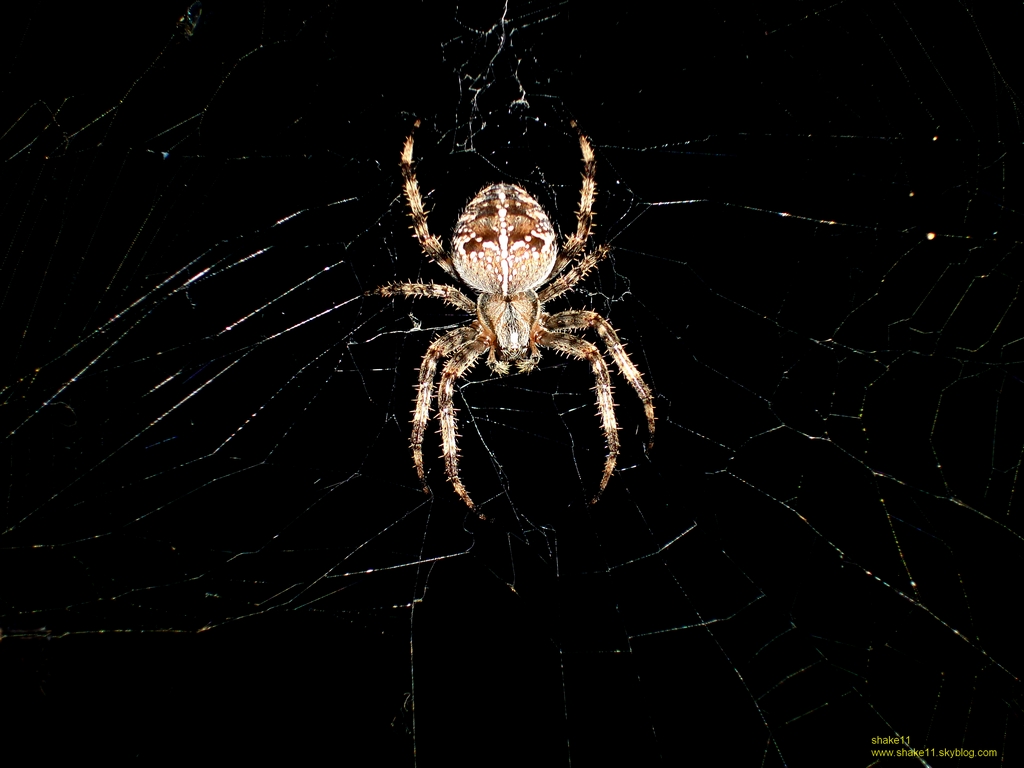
(210, 503)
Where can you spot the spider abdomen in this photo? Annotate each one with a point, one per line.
(504, 242)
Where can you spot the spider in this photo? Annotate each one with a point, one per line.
(505, 248)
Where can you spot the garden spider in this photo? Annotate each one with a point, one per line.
(505, 248)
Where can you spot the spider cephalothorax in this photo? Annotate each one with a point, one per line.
(505, 248)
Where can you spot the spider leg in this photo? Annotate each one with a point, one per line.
(581, 319)
(577, 242)
(565, 282)
(443, 346)
(430, 244)
(447, 293)
(462, 360)
(584, 350)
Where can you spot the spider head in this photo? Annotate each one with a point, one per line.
(509, 322)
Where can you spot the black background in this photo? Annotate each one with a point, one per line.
(214, 542)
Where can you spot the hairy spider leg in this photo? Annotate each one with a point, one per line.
(576, 243)
(442, 347)
(448, 293)
(566, 282)
(430, 243)
(584, 350)
(582, 319)
(461, 361)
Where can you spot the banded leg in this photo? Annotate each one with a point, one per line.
(567, 281)
(446, 293)
(462, 361)
(430, 244)
(584, 350)
(442, 347)
(581, 319)
(577, 242)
